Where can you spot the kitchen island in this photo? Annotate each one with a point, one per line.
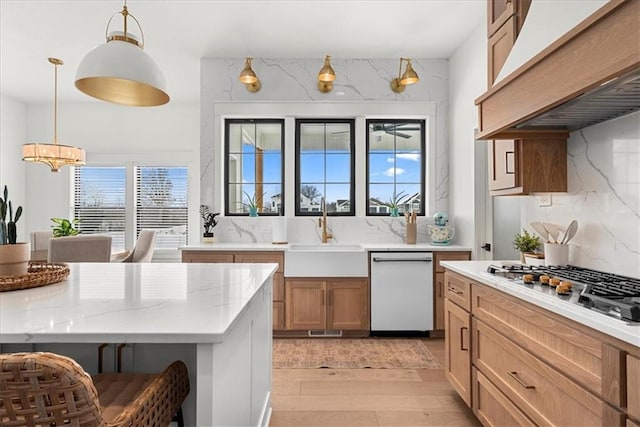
(518, 354)
(215, 317)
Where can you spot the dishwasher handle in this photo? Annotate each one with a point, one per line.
(378, 259)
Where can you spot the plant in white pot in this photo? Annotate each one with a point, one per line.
(14, 256)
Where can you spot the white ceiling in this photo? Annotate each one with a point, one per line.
(179, 33)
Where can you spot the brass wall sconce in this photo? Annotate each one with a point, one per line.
(248, 77)
(326, 76)
(408, 78)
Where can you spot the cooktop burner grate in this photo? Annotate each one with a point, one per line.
(612, 294)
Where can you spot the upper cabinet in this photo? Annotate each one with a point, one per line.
(535, 164)
(586, 76)
(505, 19)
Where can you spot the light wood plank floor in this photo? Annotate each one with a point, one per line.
(368, 397)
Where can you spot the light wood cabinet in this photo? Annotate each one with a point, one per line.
(327, 303)
(532, 165)
(531, 366)
(458, 356)
(544, 395)
(492, 407)
(276, 257)
(498, 12)
(633, 387)
(499, 46)
(438, 283)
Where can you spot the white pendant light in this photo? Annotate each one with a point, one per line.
(119, 71)
(54, 155)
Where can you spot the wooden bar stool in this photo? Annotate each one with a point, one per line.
(42, 389)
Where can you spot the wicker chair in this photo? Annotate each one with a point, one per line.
(46, 389)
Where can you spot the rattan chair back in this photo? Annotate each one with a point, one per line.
(46, 389)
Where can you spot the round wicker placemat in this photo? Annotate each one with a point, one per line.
(39, 274)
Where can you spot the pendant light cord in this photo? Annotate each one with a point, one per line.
(55, 104)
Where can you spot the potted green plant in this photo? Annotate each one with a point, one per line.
(525, 243)
(252, 203)
(208, 222)
(14, 256)
(64, 227)
(395, 202)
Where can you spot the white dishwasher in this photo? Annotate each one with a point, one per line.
(401, 291)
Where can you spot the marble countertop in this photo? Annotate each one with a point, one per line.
(129, 302)
(477, 270)
(284, 247)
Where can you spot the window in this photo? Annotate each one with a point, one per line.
(254, 169)
(161, 204)
(160, 194)
(325, 166)
(395, 165)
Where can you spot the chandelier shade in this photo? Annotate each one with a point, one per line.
(54, 155)
(121, 72)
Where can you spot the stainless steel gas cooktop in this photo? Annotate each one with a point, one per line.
(611, 294)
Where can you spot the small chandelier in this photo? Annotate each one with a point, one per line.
(119, 71)
(248, 77)
(408, 78)
(54, 155)
(326, 76)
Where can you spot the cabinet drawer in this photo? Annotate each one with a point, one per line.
(449, 256)
(262, 257)
(541, 392)
(207, 256)
(492, 407)
(554, 339)
(457, 289)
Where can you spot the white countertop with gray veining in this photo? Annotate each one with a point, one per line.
(129, 302)
(477, 270)
(282, 247)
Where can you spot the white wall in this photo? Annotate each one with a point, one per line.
(108, 133)
(467, 81)
(359, 81)
(603, 196)
(13, 127)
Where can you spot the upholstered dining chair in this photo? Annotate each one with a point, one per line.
(80, 248)
(38, 389)
(143, 250)
(40, 245)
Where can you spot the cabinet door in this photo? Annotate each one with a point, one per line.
(502, 164)
(633, 387)
(278, 315)
(499, 47)
(439, 301)
(498, 12)
(348, 304)
(305, 304)
(458, 357)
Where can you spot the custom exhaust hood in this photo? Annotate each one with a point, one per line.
(589, 75)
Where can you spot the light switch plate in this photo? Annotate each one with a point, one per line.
(544, 200)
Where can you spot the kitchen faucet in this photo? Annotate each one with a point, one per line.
(322, 222)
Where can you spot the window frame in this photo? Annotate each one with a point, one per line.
(352, 162)
(423, 163)
(226, 143)
(130, 196)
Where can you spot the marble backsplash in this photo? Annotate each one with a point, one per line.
(603, 196)
(305, 229)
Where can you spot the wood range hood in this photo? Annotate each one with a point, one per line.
(589, 75)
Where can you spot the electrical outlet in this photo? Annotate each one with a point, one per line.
(544, 200)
